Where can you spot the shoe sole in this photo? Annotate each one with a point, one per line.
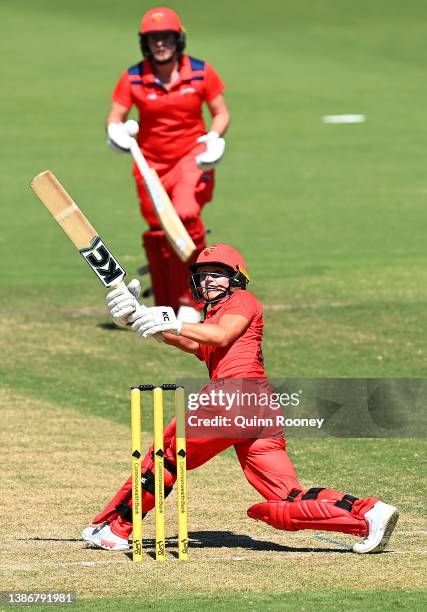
(388, 530)
(104, 545)
(87, 539)
(89, 534)
(90, 544)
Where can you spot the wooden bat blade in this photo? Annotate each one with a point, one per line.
(172, 225)
(78, 229)
(63, 209)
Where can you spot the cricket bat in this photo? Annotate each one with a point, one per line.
(78, 229)
(172, 225)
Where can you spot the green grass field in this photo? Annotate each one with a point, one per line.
(332, 221)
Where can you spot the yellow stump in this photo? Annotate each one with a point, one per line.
(135, 412)
(159, 477)
(181, 470)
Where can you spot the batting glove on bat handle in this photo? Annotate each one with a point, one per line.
(124, 298)
(119, 135)
(123, 301)
(154, 320)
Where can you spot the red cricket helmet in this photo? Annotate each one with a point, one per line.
(219, 255)
(161, 19)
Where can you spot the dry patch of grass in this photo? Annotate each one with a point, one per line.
(59, 468)
(58, 336)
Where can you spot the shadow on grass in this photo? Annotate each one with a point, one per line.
(228, 539)
(213, 540)
(110, 326)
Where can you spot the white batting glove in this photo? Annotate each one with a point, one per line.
(154, 320)
(215, 146)
(123, 301)
(119, 133)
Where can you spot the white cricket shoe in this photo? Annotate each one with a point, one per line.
(103, 537)
(90, 533)
(188, 314)
(382, 519)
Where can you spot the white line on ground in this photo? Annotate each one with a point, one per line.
(248, 558)
(348, 118)
(410, 533)
(342, 545)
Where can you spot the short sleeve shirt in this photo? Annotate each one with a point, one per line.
(243, 358)
(170, 120)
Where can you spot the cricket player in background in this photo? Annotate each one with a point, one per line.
(229, 342)
(169, 89)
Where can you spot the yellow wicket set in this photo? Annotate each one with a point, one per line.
(181, 469)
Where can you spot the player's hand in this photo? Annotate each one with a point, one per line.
(215, 146)
(123, 301)
(154, 320)
(119, 135)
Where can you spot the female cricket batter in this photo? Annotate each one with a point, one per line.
(169, 89)
(229, 341)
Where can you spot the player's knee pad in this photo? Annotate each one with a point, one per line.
(148, 488)
(317, 508)
(322, 493)
(125, 512)
(148, 480)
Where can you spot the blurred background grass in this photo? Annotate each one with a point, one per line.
(331, 218)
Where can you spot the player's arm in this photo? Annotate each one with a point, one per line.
(220, 115)
(215, 143)
(148, 321)
(184, 344)
(221, 334)
(118, 113)
(118, 130)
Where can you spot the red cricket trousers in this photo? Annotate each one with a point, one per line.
(268, 468)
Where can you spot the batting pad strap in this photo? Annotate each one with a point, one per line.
(169, 466)
(292, 495)
(148, 483)
(312, 493)
(346, 502)
(126, 512)
(168, 491)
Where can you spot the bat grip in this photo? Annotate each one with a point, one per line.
(137, 155)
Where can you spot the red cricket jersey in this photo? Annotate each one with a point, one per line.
(170, 120)
(243, 358)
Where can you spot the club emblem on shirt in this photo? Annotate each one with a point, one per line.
(187, 90)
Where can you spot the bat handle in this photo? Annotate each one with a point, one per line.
(121, 285)
(137, 155)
